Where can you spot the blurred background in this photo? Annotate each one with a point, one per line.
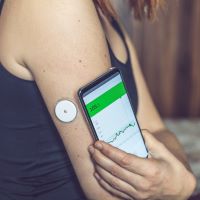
(169, 54)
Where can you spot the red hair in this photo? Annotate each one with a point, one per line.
(141, 8)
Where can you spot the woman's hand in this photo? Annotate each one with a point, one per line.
(160, 176)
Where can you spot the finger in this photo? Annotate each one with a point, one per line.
(127, 161)
(113, 168)
(110, 189)
(116, 183)
(155, 147)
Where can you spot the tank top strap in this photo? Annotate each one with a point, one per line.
(117, 27)
(1, 5)
(125, 68)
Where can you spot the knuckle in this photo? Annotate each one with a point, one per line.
(155, 172)
(107, 151)
(155, 178)
(125, 160)
(115, 184)
(114, 170)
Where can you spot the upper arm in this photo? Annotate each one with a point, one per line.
(63, 46)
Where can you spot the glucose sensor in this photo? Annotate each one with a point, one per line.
(65, 110)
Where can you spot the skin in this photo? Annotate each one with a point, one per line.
(61, 46)
(160, 176)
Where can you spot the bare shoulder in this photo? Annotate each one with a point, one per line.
(33, 28)
(49, 29)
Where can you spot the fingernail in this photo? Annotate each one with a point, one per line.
(98, 145)
(91, 149)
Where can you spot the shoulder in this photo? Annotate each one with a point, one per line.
(28, 27)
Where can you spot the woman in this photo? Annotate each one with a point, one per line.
(49, 49)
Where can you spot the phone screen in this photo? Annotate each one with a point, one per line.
(112, 116)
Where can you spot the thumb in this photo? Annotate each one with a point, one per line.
(156, 148)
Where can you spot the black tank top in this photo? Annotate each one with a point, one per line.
(33, 159)
(125, 68)
(1, 5)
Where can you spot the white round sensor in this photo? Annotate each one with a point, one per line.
(65, 111)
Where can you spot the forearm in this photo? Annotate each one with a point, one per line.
(174, 146)
(171, 142)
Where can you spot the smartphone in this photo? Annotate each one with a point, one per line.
(110, 115)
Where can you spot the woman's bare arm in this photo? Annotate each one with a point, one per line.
(62, 43)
